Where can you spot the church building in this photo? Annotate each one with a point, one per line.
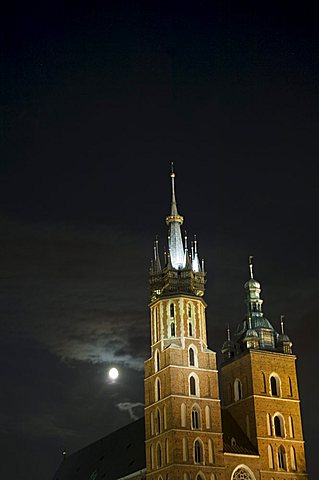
(242, 423)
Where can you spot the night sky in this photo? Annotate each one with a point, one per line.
(97, 99)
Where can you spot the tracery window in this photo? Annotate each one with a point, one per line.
(282, 463)
(195, 418)
(241, 474)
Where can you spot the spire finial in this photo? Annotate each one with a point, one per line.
(251, 266)
(282, 324)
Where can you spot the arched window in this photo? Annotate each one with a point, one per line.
(279, 425)
(268, 424)
(172, 310)
(282, 462)
(195, 418)
(291, 427)
(159, 455)
(238, 390)
(270, 457)
(192, 356)
(172, 329)
(207, 417)
(198, 451)
(293, 459)
(184, 449)
(211, 451)
(152, 423)
(167, 451)
(157, 390)
(275, 385)
(183, 415)
(242, 472)
(200, 476)
(189, 310)
(193, 385)
(157, 361)
(157, 421)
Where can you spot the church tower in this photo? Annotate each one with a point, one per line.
(260, 390)
(182, 407)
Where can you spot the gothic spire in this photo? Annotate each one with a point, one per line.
(174, 222)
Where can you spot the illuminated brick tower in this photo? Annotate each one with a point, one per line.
(260, 390)
(182, 406)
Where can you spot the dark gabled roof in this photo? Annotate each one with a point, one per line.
(114, 456)
(232, 430)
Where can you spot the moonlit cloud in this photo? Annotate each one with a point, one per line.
(130, 408)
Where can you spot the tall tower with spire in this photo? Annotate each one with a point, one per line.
(260, 389)
(182, 406)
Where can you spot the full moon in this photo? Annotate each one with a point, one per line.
(113, 373)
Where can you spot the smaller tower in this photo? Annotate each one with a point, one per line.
(260, 389)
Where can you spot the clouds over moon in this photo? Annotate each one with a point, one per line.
(75, 291)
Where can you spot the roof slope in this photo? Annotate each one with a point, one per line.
(231, 430)
(114, 456)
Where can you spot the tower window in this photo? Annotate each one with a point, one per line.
(192, 357)
(157, 390)
(198, 452)
(290, 386)
(282, 463)
(293, 459)
(238, 390)
(279, 426)
(158, 422)
(159, 455)
(263, 380)
(193, 387)
(189, 310)
(270, 457)
(172, 310)
(195, 418)
(190, 329)
(157, 361)
(275, 385)
(291, 427)
(172, 329)
(183, 415)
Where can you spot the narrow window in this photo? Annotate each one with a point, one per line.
(290, 386)
(157, 390)
(165, 417)
(207, 417)
(263, 380)
(282, 458)
(190, 329)
(152, 423)
(291, 427)
(159, 455)
(268, 424)
(172, 329)
(152, 456)
(238, 390)
(198, 452)
(211, 452)
(192, 385)
(156, 325)
(157, 422)
(172, 310)
(167, 451)
(195, 419)
(157, 361)
(191, 354)
(274, 386)
(293, 459)
(270, 457)
(183, 415)
(184, 449)
(189, 310)
(279, 426)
